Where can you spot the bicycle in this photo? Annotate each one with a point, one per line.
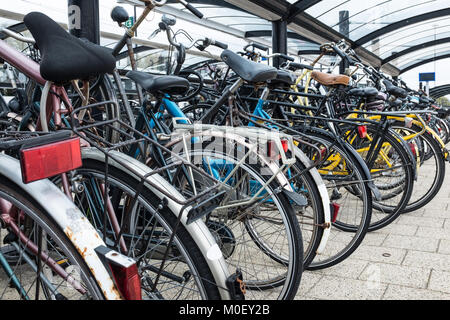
(49, 250)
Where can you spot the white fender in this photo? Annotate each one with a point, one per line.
(300, 155)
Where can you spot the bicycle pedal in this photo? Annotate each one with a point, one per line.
(297, 198)
(205, 207)
(236, 286)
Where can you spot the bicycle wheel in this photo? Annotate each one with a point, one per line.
(170, 271)
(39, 260)
(347, 184)
(311, 217)
(392, 171)
(431, 173)
(254, 225)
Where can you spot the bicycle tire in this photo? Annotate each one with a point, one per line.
(57, 239)
(344, 229)
(418, 202)
(198, 266)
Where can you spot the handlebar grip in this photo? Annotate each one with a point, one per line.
(297, 66)
(219, 44)
(260, 46)
(284, 56)
(344, 56)
(192, 9)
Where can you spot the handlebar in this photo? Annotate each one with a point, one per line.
(257, 46)
(191, 8)
(201, 44)
(286, 57)
(218, 44)
(17, 36)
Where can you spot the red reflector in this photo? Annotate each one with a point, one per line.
(127, 281)
(362, 131)
(49, 160)
(285, 145)
(412, 146)
(335, 211)
(272, 149)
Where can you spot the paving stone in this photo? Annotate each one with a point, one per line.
(396, 292)
(444, 247)
(396, 274)
(379, 254)
(309, 279)
(433, 233)
(440, 281)
(431, 213)
(400, 229)
(411, 242)
(438, 205)
(374, 238)
(430, 260)
(447, 224)
(421, 221)
(337, 288)
(349, 268)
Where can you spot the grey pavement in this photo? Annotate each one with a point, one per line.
(409, 259)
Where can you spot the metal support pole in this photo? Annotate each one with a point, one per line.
(84, 20)
(344, 29)
(279, 40)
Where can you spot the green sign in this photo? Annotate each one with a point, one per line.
(130, 22)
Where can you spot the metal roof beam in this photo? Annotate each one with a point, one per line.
(268, 33)
(266, 9)
(415, 65)
(400, 24)
(415, 48)
(298, 7)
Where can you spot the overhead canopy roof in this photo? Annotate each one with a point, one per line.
(383, 32)
(392, 34)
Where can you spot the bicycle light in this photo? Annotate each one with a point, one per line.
(41, 162)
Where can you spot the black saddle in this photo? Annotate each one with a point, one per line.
(394, 90)
(159, 84)
(368, 92)
(284, 78)
(63, 56)
(248, 70)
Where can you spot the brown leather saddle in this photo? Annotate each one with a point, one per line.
(330, 79)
